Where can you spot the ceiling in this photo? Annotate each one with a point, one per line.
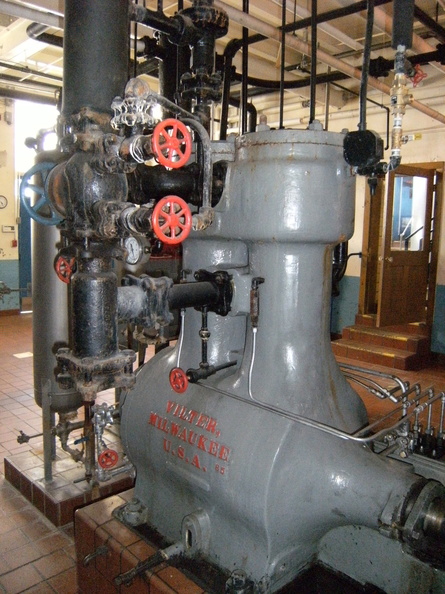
(31, 67)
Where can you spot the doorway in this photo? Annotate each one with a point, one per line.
(400, 246)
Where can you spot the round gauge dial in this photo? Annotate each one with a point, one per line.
(3, 202)
(134, 250)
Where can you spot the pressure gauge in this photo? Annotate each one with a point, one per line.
(134, 250)
(3, 202)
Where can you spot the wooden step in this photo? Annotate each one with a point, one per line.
(377, 355)
(414, 343)
(418, 328)
(366, 320)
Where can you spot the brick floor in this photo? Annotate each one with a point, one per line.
(35, 555)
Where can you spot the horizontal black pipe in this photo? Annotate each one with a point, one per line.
(195, 294)
(426, 20)
(157, 182)
(24, 96)
(293, 84)
(438, 55)
(156, 20)
(29, 71)
(38, 32)
(18, 80)
(132, 301)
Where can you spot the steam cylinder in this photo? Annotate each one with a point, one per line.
(226, 448)
(50, 319)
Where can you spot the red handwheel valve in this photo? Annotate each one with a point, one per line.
(171, 143)
(171, 220)
(65, 268)
(108, 459)
(178, 380)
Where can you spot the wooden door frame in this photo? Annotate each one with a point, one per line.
(372, 225)
(370, 240)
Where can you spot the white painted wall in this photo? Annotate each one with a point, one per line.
(8, 215)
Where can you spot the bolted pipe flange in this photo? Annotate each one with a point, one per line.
(206, 16)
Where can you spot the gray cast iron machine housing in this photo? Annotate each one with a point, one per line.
(247, 457)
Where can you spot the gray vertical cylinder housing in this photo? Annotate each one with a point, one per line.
(50, 318)
(271, 487)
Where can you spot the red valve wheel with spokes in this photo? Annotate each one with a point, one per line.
(171, 143)
(178, 380)
(65, 268)
(108, 459)
(171, 220)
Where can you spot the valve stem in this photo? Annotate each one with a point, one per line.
(255, 301)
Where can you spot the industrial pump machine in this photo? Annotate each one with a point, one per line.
(252, 451)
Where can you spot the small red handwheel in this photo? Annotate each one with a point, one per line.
(108, 458)
(171, 143)
(178, 380)
(171, 220)
(65, 268)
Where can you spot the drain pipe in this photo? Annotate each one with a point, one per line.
(270, 31)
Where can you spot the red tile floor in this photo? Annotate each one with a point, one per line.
(35, 556)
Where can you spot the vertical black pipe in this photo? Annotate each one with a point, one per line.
(313, 60)
(244, 83)
(231, 48)
(168, 68)
(403, 18)
(183, 57)
(184, 54)
(365, 69)
(283, 57)
(94, 315)
(95, 54)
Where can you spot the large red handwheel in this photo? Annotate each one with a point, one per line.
(178, 380)
(108, 458)
(171, 220)
(171, 143)
(65, 268)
